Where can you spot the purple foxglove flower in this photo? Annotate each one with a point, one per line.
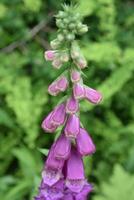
(62, 147)
(75, 76)
(57, 63)
(78, 91)
(49, 55)
(72, 105)
(72, 126)
(62, 83)
(85, 145)
(52, 89)
(53, 168)
(92, 95)
(68, 196)
(54, 192)
(47, 125)
(52, 162)
(75, 179)
(84, 192)
(58, 115)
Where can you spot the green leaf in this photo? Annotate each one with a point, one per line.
(120, 186)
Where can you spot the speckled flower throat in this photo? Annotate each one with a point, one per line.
(63, 175)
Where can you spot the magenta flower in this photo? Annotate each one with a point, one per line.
(85, 145)
(78, 91)
(58, 115)
(75, 178)
(49, 55)
(53, 168)
(62, 83)
(59, 85)
(72, 126)
(53, 90)
(47, 124)
(62, 147)
(72, 105)
(92, 95)
(54, 192)
(75, 76)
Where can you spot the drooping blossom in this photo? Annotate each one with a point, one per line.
(75, 178)
(72, 127)
(59, 85)
(49, 55)
(58, 115)
(85, 145)
(75, 76)
(62, 147)
(92, 95)
(78, 91)
(72, 105)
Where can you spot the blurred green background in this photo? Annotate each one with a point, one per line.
(26, 28)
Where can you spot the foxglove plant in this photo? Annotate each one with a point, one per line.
(63, 175)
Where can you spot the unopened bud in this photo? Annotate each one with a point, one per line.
(83, 29)
(55, 44)
(70, 37)
(57, 63)
(65, 57)
(60, 37)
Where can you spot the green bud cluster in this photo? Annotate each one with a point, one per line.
(69, 23)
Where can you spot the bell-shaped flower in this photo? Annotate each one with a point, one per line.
(58, 115)
(59, 85)
(49, 55)
(72, 126)
(54, 192)
(62, 147)
(53, 168)
(84, 142)
(75, 76)
(92, 95)
(47, 124)
(62, 83)
(75, 178)
(72, 105)
(78, 91)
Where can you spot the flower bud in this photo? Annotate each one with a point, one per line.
(55, 44)
(64, 57)
(62, 83)
(78, 91)
(70, 37)
(49, 55)
(47, 125)
(92, 95)
(83, 29)
(72, 126)
(58, 115)
(72, 105)
(57, 63)
(52, 89)
(75, 76)
(60, 37)
(81, 62)
(85, 145)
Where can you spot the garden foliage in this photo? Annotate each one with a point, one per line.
(26, 27)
